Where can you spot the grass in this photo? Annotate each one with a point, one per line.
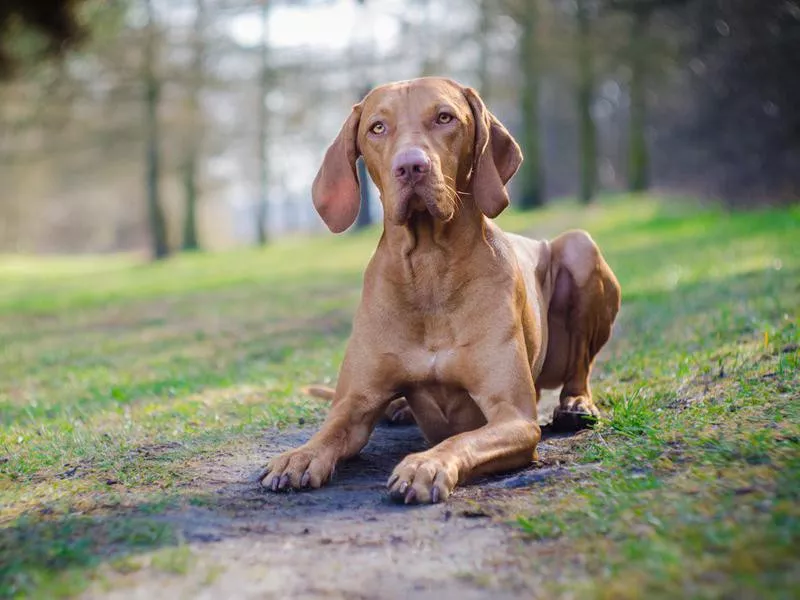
(119, 376)
(698, 490)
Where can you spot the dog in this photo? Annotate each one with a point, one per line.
(459, 321)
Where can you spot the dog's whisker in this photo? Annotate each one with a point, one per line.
(452, 196)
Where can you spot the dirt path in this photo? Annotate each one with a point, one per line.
(348, 540)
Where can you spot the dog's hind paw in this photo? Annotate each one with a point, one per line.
(574, 413)
(399, 413)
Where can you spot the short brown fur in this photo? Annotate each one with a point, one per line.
(463, 321)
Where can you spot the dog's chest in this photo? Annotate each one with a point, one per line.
(431, 286)
(437, 341)
(432, 366)
(437, 364)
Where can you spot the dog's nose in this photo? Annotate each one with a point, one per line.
(411, 165)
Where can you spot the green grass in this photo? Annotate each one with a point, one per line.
(119, 376)
(699, 449)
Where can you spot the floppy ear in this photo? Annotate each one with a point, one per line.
(335, 190)
(497, 157)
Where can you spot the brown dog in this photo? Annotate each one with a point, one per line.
(464, 321)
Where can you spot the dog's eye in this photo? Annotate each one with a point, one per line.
(444, 118)
(378, 128)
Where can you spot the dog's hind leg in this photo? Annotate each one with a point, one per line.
(584, 304)
(397, 413)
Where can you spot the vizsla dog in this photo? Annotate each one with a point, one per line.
(465, 322)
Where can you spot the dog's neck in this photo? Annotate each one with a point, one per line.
(425, 248)
(422, 233)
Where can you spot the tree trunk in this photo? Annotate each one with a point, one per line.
(532, 180)
(364, 218)
(190, 241)
(263, 166)
(484, 27)
(638, 159)
(194, 139)
(158, 230)
(586, 128)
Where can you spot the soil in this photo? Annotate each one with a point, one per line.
(348, 540)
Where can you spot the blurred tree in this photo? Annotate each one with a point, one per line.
(484, 31)
(526, 15)
(743, 119)
(712, 81)
(68, 126)
(152, 86)
(642, 62)
(586, 127)
(55, 20)
(194, 139)
(364, 218)
(532, 188)
(263, 128)
(638, 159)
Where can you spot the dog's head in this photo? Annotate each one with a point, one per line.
(429, 144)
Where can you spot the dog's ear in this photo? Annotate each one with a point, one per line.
(335, 190)
(497, 157)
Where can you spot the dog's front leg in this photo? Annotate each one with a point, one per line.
(507, 441)
(358, 406)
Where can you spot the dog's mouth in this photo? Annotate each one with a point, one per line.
(417, 199)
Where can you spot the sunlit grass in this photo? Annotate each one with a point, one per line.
(117, 370)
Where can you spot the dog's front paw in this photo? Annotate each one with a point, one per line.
(422, 478)
(303, 467)
(575, 413)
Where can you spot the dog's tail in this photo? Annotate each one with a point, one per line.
(320, 391)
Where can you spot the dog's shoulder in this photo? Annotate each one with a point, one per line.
(530, 253)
